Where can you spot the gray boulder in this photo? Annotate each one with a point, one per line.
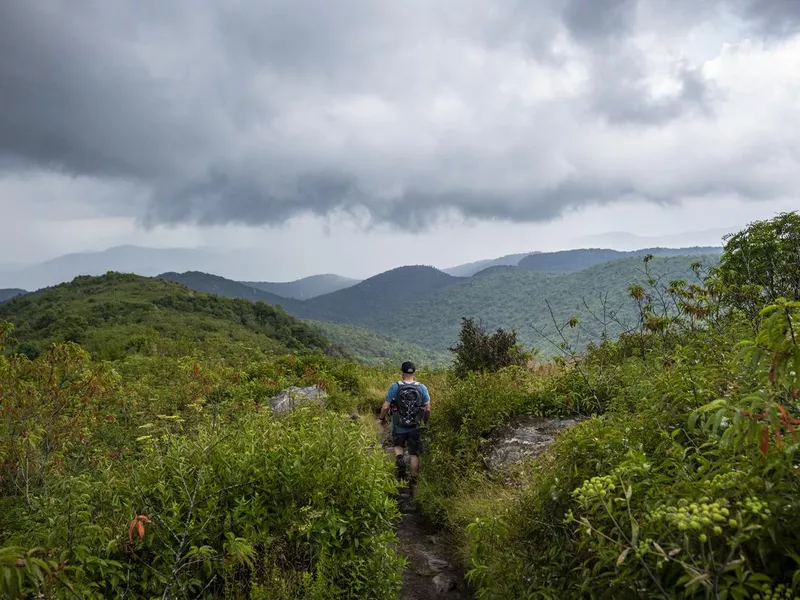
(443, 584)
(293, 397)
(526, 438)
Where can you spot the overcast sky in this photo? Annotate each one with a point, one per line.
(354, 136)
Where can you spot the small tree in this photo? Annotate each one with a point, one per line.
(478, 350)
(761, 264)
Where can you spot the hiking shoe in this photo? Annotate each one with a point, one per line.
(400, 463)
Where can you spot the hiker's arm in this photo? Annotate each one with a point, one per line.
(387, 402)
(427, 397)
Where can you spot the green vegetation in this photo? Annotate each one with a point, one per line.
(762, 264)
(379, 295)
(139, 455)
(512, 298)
(376, 349)
(164, 473)
(423, 307)
(118, 314)
(480, 351)
(214, 284)
(680, 479)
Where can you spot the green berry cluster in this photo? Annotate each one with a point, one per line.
(643, 547)
(780, 592)
(726, 481)
(596, 487)
(702, 517)
(755, 507)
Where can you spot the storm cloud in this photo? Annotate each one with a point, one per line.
(253, 112)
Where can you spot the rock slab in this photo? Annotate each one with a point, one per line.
(523, 439)
(294, 397)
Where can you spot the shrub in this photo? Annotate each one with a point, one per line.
(761, 264)
(478, 350)
(172, 477)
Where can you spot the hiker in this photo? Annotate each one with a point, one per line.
(410, 404)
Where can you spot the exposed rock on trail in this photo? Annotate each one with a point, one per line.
(523, 438)
(431, 572)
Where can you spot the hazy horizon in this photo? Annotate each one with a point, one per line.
(233, 263)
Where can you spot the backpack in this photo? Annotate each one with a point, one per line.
(409, 405)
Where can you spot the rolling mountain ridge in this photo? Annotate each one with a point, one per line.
(214, 284)
(7, 294)
(375, 295)
(470, 269)
(420, 307)
(571, 261)
(307, 287)
(423, 306)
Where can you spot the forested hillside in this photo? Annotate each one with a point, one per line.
(377, 295)
(214, 284)
(374, 348)
(423, 307)
(119, 314)
(511, 297)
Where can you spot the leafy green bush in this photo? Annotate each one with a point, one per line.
(479, 350)
(677, 491)
(760, 264)
(171, 477)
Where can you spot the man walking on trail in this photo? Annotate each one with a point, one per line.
(410, 404)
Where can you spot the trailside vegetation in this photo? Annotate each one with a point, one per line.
(154, 467)
(371, 348)
(681, 477)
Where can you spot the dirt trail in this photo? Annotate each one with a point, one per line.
(431, 572)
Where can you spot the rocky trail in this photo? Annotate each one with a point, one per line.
(431, 572)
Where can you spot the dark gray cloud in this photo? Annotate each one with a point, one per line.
(253, 112)
(600, 21)
(621, 95)
(772, 17)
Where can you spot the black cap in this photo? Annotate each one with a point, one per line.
(408, 367)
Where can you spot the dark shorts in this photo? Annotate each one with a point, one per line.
(411, 440)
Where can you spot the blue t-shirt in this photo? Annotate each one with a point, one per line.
(392, 394)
